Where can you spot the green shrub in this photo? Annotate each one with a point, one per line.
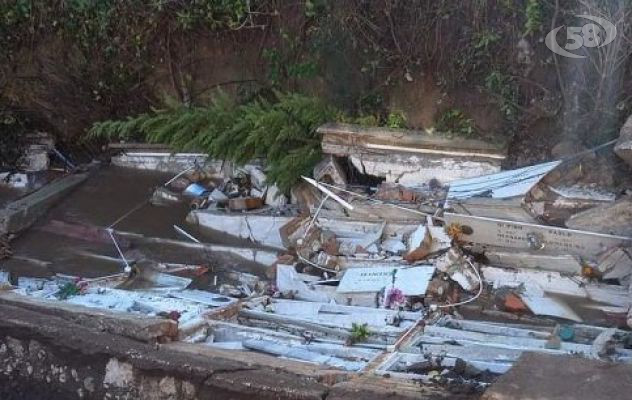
(396, 119)
(281, 130)
(455, 122)
(359, 333)
(533, 13)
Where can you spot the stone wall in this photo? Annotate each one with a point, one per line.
(44, 356)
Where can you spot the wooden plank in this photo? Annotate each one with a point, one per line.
(525, 236)
(245, 203)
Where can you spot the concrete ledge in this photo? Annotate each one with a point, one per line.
(22, 213)
(145, 329)
(39, 350)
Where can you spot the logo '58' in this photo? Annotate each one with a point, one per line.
(598, 33)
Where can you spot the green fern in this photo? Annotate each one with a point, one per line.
(533, 13)
(281, 131)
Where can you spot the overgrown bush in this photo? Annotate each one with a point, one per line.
(281, 130)
(455, 122)
(533, 13)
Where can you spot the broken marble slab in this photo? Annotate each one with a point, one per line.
(539, 303)
(260, 229)
(512, 209)
(425, 240)
(289, 283)
(139, 302)
(615, 264)
(488, 345)
(531, 237)
(398, 365)
(162, 161)
(575, 185)
(555, 283)
(613, 219)
(202, 297)
(329, 170)
(228, 335)
(301, 353)
(356, 228)
(565, 263)
(410, 156)
(459, 269)
(380, 321)
(394, 246)
(412, 281)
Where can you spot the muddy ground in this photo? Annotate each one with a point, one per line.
(113, 195)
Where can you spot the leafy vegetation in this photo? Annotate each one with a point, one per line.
(455, 122)
(396, 119)
(70, 289)
(533, 13)
(504, 89)
(68, 63)
(280, 129)
(359, 333)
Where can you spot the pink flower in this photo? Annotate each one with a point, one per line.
(394, 298)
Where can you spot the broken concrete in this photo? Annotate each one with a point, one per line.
(260, 229)
(623, 148)
(556, 377)
(613, 219)
(518, 235)
(45, 357)
(161, 161)
(363, 304)
(329, 170)
(410, 156)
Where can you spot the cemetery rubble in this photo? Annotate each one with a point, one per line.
(403, 255)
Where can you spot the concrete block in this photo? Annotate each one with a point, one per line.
(22, 213)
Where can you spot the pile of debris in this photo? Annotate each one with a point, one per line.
(39, 162)
(244, 189)
(446, 271)
(545, 247)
